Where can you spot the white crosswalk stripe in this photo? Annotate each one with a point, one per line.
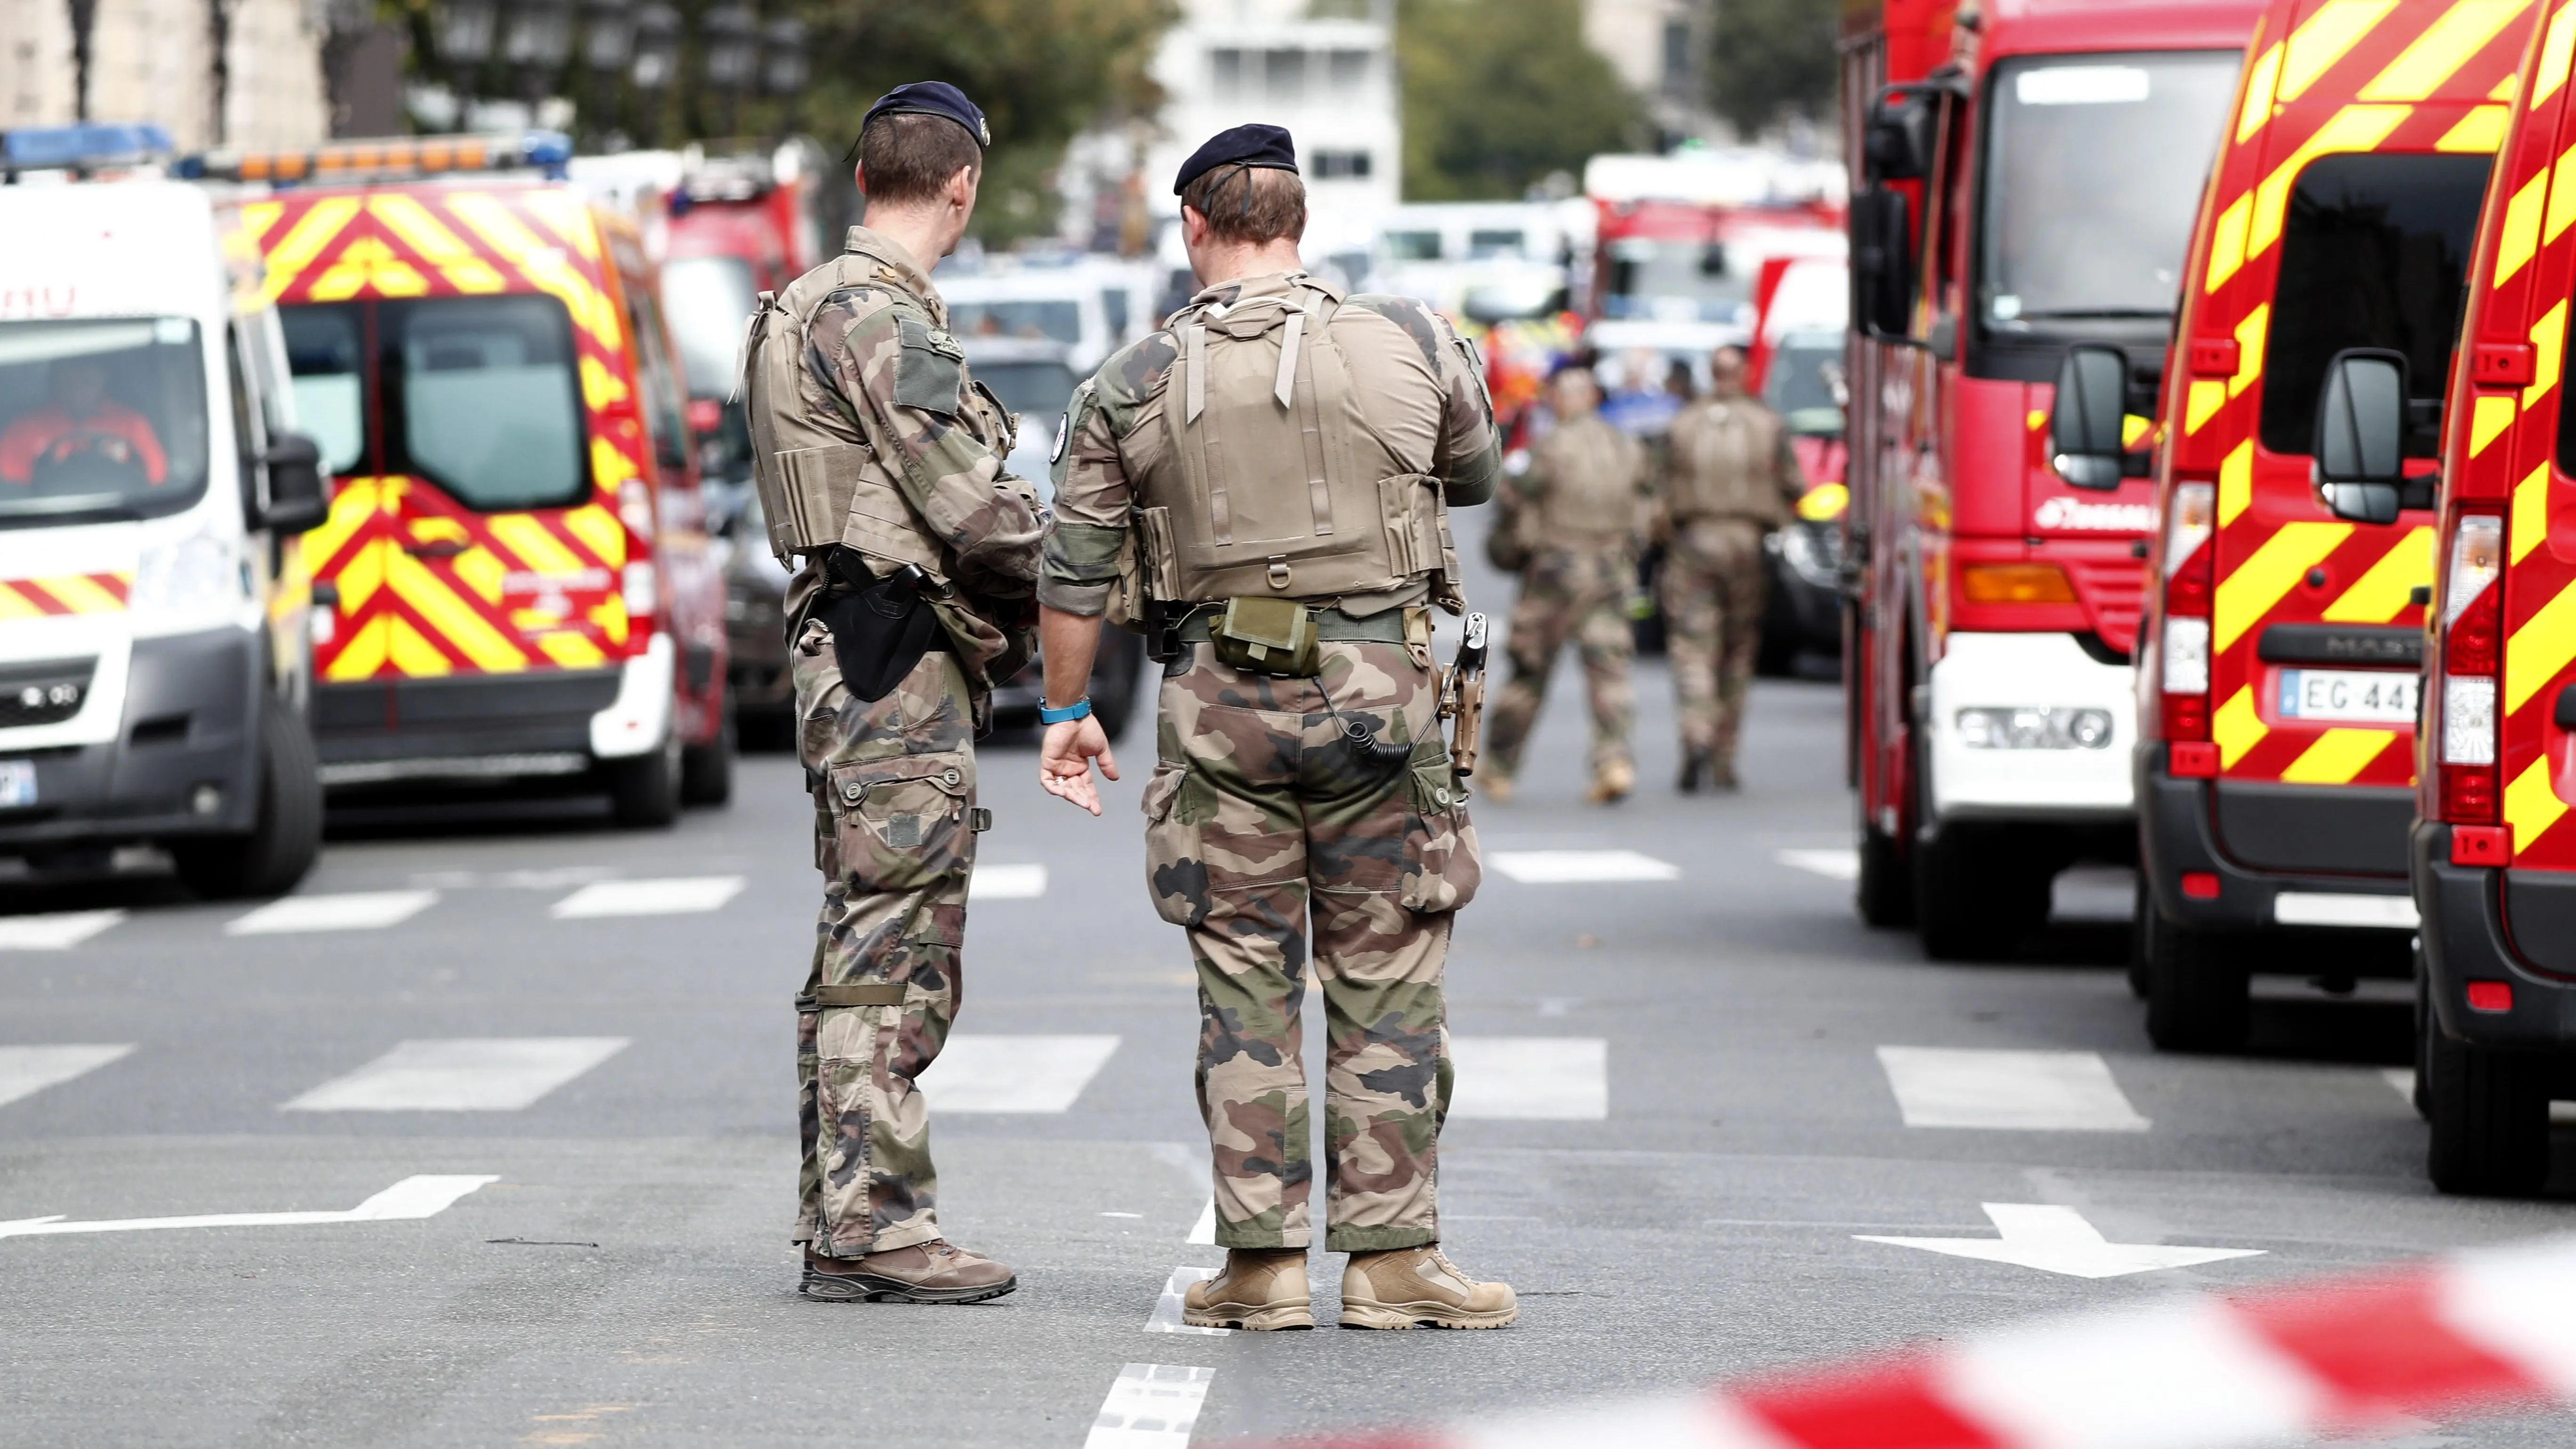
(349, 911)
(1007, 883)
(1582, 867)
(2018, 1090)
(1204, 1230)
(1166, 1317)
(1150, 1406)
(54, 930)
(1014, 1073)
(1531, 1078)
(472, 1074)
(1839, 863)
(27, 1070)
(675, 896)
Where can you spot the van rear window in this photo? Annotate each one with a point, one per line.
(482, 398)
(2374, 253)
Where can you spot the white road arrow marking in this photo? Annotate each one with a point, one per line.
(2058, 1240)
(413, 1197)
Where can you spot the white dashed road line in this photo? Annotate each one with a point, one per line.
(1150, 1406)
(1839, 863)
(409, 1200)
(1007, 883)
(1203, 1232)
(1166, 1317)
(1014, 1073)
(1581, 867)
(55, 930)
(2019, 1090)
(352, 911)
(27, 1070)
(472, 1074)
(677, 896)
(1531, 1078)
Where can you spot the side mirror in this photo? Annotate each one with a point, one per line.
(2358, 464)
(1898, 144)
(2084, 425)
(298, 497)
(1882, 263)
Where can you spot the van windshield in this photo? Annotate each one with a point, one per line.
(100, 418)
(2092, 175)
(708, 300)
(1036, 318)
(2374, 253)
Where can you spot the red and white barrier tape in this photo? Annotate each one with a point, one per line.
(2489, 1329)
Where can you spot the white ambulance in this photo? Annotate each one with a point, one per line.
(154, 660)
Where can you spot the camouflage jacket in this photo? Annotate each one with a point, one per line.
(1113, 433)
(1731, 457)
(949, 440)
(1587, 487)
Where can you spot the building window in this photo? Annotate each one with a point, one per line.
(1284, 74)
(1349, 72)
(1677, 55)
(1341, 165)
(1225, 73)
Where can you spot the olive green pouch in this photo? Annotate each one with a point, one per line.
(1268, 636)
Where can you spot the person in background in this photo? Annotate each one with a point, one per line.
(81, 419)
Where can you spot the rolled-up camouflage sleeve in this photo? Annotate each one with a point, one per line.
(883, 364)
(1093, 496)
(1471, 450)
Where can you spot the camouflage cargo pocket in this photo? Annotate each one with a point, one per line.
(1441, 871)
(901, 824)
(1175, 872)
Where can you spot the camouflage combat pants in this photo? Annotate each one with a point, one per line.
(1713, 590)
(1258, 814)
(894, 796)
(1582, 592)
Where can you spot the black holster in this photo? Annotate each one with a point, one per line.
(880, 626)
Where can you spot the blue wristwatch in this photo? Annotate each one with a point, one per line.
(1079, 709)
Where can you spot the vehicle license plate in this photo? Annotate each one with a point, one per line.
(2363, 696)
(17, 783)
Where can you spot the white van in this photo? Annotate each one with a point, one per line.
(154, 662)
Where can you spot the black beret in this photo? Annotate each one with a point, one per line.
(932, 98)
(1255, 145)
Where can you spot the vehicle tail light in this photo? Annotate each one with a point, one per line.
(2490, 996)
(2472, 620)
(2020, 583)
(2190, 525)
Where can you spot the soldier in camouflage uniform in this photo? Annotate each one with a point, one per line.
(1732, 477)
(885, 458)
(1288, 791)
(1571, 525)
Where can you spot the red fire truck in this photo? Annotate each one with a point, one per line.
(2029, 176)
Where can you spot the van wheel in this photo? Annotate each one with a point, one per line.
(1975, 897)
(2490, 1118)
(2423, 1093)
(2197, 994)
(2144, 902)
(706, 771)
(1884, 894)
(645, 790)
(285, 835)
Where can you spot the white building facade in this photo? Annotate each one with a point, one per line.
(155, 60)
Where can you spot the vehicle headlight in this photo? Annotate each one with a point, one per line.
(1810, 551)
(2030, 728)
(188, 577)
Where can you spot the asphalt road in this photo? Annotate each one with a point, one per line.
(1676, 1115)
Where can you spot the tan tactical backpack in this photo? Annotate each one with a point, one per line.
(1282, 488)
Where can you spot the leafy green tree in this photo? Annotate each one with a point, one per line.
(1498, 93)
(1772, 58)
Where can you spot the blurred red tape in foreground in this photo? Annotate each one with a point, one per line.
(2489, 1329)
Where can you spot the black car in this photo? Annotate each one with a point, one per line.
(1804, 557)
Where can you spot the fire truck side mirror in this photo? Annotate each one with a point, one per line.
(1898, 144)
(2358, 466)
(2084, 424)
(1882, 263)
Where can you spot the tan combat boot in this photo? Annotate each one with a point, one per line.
(1612, 782)
(937, 1271)
(1258, 1290)
(1421, 1288)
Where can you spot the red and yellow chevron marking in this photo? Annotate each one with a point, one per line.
(2341, 76)
(427, 586)
(64, 594)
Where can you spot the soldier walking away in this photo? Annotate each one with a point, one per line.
(879, 463)
(1264, 485)
(1571, 524)
(1732, 478)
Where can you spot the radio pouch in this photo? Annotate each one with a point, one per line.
(1268, 636)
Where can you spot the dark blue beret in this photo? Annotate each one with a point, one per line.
(933, 98)
(1256, 146)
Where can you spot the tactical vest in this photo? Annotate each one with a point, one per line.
(1591, 472)
(814, 463)
(1279, 484)
(1726, 458)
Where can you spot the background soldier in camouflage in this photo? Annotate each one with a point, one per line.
(1733, 477)
(1572, 524)
(1260, 813)
(894, 778)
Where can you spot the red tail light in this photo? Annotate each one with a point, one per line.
(2472, 620)
(2191, 525)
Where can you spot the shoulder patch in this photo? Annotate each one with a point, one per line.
(1131, 375)
(1413, 316)
(930, 372)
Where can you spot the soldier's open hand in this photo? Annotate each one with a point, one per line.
(1064, 761)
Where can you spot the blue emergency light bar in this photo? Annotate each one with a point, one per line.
(84, 147)
(394, 158)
